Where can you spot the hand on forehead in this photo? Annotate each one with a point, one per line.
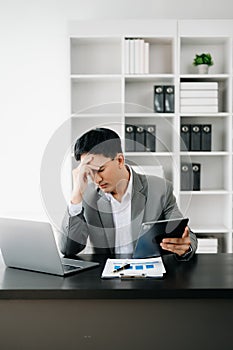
(94, 159)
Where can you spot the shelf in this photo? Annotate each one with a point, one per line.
(148, 77)
(205, 192)
(209, 77)
(96, 95)
(205, 115)
(95, 55)
(96, 115)
(139, 94)
(209, 229)
(94, 41)
(95, 77)
(149, 154)
(205, 154)
(149, 115)
(219, 47)
(203, 40)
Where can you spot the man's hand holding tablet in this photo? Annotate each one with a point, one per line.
(180, 245)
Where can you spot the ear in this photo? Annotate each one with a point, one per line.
(121, 160)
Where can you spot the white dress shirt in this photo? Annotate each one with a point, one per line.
(121, 217)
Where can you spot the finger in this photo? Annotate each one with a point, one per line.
(93, 167)
(87, 162)
(178, 249)
(91, 174)
(184, 239)
(87, 171)
(87, 159)
(181, 240)
(175, 246)
(186, 232)
(87, 168)
(168, 247)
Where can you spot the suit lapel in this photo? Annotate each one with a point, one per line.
(105, 212)
(137, 206)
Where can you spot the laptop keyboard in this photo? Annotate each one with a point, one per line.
(70, 267)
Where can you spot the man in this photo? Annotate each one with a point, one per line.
(110, 201)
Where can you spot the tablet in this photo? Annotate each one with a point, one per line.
(152, 233)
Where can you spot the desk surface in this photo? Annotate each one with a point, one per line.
(205, 276)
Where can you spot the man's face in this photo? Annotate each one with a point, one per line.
(109, 175)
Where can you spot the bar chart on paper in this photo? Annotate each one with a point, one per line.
(152, 267)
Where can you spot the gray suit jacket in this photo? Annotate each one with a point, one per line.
(152, 199)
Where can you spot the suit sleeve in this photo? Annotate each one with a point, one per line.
(74, 233)
(171, 211)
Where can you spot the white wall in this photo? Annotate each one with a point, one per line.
(34, 69)
(33, 93)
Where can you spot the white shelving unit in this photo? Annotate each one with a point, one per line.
(103, 95)
(210, 209)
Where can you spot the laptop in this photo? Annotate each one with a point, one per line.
(152, 233)
(31, 245)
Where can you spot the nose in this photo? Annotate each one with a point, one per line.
(97, 177)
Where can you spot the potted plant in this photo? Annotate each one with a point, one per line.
(203, 62)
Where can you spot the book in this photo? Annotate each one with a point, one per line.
(207, 245)
(199, 85)
(185, 178)
(127, 56)
(198, 93)
(136, 56)
(158, 99)
(199, 109)
(131, 56)
(195, 101)
(196, 177)
(150, 138)
(206, 137)
(140, 138)
(195, 139)
(185, 137)
(142, 56)
(169, 100)
(147, 57)
(129, 138)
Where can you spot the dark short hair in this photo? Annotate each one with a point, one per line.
(98, 141)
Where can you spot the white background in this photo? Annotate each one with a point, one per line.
(34, 82)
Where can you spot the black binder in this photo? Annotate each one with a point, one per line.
(158, 99)
(185, 179)
(196, 137)
(169, 100)
(150, 138)
(185, 133)
(129, 138)
(206, 133)
(140, 138)
(196, 176)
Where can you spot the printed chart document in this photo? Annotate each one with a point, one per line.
(151, 267)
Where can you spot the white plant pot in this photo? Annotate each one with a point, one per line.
(203, 68)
